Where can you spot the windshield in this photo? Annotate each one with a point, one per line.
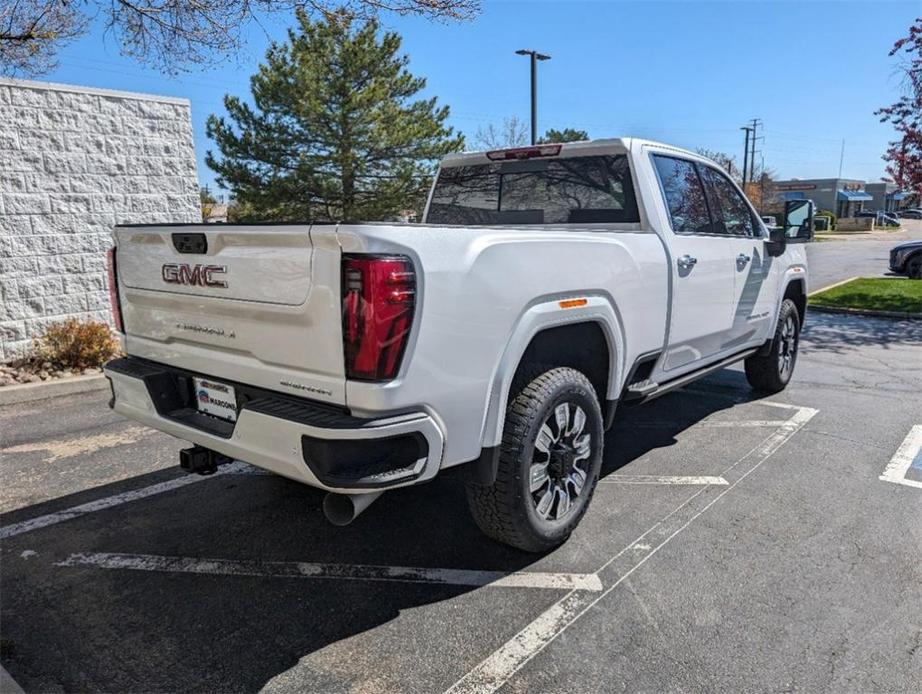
(578, 190)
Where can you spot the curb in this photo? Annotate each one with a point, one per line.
(832, 286)
(7, 684)
(28, 392)
(864, 312)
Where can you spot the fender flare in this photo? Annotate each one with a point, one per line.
(542, 314)
(795, 273)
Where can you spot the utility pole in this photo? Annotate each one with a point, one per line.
(745, 156)
(535, 57)
(754, 124)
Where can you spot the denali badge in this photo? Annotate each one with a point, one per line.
(201, 275)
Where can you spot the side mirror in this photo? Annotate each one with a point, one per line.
(777, 240)
(798, 220)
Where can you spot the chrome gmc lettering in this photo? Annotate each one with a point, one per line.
(196, 275)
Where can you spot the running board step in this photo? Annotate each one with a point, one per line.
(643, 388)
(642, 391)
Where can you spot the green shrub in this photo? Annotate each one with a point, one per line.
(74, 344)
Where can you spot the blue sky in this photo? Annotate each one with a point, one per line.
(688, 73)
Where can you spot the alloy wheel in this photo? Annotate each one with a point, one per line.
(560, 464)
(787, 350)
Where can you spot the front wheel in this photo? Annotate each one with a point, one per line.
(914, 267)
(772, 372)
(549, 463)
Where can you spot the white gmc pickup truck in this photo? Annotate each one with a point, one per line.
(546, 286)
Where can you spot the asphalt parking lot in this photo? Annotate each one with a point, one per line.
(735, 544)
(856, 255)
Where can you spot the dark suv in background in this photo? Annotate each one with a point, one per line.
(906, 259)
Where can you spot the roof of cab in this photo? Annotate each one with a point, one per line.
(583, 148)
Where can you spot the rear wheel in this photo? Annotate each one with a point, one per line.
(549, 463)
(914, 267)
(771, 372)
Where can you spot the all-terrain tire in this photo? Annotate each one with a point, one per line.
(772, 372)
(507, 510)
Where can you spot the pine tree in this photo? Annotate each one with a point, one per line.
(565, 135)
(334, 132)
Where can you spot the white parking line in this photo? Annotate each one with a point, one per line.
(350, 572)
(899, 465)
(662, 479)
(497, 669)
(742, 424)
(111, 501)
(693, 390)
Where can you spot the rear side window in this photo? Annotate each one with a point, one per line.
(732, 214)
(684, 195)
(576, 190)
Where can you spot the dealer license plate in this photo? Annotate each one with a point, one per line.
(216, 399)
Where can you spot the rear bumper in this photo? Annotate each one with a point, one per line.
(311, 443)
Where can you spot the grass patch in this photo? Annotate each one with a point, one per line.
(874, 294)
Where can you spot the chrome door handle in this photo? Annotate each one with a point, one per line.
(687, 261)
(742, 258)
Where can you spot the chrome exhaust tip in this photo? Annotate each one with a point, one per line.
(342, 509)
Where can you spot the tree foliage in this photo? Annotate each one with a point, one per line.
(904, 155)
(32, 31)
(207, 202)
(762, 175)
(726, 161)
(565, 135)
(334, 131)
(174, 35)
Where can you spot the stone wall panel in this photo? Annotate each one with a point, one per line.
(73, 162)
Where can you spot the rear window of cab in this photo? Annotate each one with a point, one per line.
(573, 190)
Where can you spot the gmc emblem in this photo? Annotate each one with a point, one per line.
(196, 275)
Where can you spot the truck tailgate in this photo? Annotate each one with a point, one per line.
(255, 304)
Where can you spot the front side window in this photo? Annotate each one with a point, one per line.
(733, 215)
(684, 195)
(575, 190)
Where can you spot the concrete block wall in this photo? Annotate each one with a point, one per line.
(74, 162)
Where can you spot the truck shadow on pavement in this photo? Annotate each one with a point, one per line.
(838, 334)
(83, 627)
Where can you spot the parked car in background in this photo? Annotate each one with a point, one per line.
(906, 259)
(911, 213)
(888, 219)
(769, 220)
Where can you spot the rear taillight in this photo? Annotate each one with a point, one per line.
(114, 301)
(379, 293)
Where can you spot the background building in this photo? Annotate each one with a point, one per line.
(74, 162)
(887, 197)
(844, 196)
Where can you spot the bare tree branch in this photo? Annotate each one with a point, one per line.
(512, 133)
(32, 31)
(175, 35)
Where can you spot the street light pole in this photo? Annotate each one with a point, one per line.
(534, 58)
